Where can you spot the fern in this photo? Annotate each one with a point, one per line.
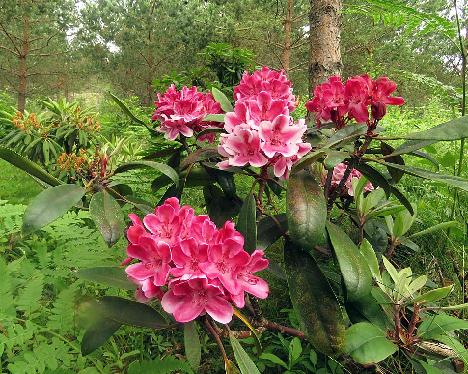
(29, 296)
(164, 366)
(61, 317)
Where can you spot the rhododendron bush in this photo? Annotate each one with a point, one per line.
(321, 193)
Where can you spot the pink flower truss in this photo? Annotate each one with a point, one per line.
(266, 80)
(182, 112)
(260, 131)
(189, 264)
(338, 173)
(339, 103)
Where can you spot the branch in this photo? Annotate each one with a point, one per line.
(46, 44)
(213, 332)
(10, 36)
(44, 73)
(12, 72)
(46, 54)
(9, 50)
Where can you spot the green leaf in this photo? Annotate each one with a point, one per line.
(274, 359)
(403, 222)
(455, 129)
(209, 130)
(247, 223)
(130, 312)
(434, 295)
(456, 345)
(49, 205)
(270, 229)
(450, 180)
(192, 345)
(214, 118)
(387, 150)
(295, 350)
(440, 324)
(440, 226)
(220, 207)
(354, 269)
(97, 334)
(28, 166)
(245, 363)
(230, 368)
(316, 306)
(367, 344)
(369, 255)
(167, 365)
(306, 210)
(222, 100)
(110, 276)
(107, 215)
(199, 155)
(163, 168)
(127, 111)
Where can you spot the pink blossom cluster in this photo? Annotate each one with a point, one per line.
(339, 103)
(338, 173)
(190, 265)
(182, 112)
(260, 131)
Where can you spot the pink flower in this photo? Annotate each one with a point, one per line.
(182, 112)
(280, 136)
(155, 257)
(329, 101)
(382, 88)
(167, 221)
(357, 91)
(224, 261)
(189, 299)
(249, 282)
(283, 165)
(188, 256)
(274, 82)
(338, 173)
(242, 147)
(190, 265)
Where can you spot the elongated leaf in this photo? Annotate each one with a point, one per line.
(308, 160)
(130, 312)
(246, 322)
(348, 133)
(386, 151)
(110, 276)
(367, 344)
(167, 365)
(440, 226)
(199, 155)
(369, 255)
(220, 207)
(192, 345)
(402, 199)
(49, 205)
(247, 223)
(222, 100)
(163, 168)
(274, 359)
(433, 295)
(376, 178)
(214, 118)
(28, 166)
(313, 300)
(270, 229)
(440, 324)
(450, 180)
(245, 363)
(455, 129)
(354, 269)
(97, 334)
(306, 210)
(127, 111)
(107, 215)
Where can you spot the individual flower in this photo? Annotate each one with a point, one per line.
(281, 136)
(382, 88)
(338, 174)
(154, 257)
(357, 91)
(189, 264)
(189, 299)
(182, 112)
(283, 165)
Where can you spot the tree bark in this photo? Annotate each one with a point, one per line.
(23, 67)
(324, 39)
(286, 56)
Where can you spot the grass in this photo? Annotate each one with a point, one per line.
(15, 185)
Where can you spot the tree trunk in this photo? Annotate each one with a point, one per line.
(23, 67)
(324, 39)
(286, 57)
